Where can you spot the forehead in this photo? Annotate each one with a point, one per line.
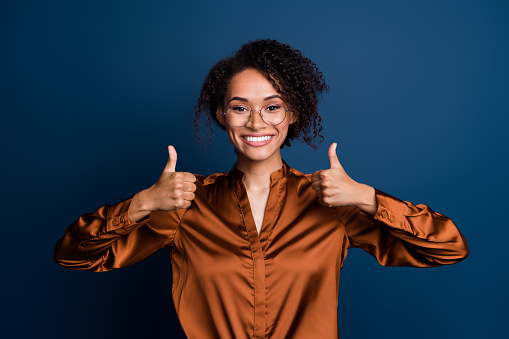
(250, 84)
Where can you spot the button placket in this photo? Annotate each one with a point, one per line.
(260, 321)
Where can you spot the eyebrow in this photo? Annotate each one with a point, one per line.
(275, 96)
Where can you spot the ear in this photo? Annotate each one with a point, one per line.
(220, 115)
(293, 117)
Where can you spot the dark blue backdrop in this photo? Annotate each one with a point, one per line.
(92, 92)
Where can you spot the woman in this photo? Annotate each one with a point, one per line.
(257, 252)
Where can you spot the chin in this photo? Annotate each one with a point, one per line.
(258, 154)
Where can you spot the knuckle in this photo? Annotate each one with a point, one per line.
(189, 177)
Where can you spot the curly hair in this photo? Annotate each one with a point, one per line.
(293, 76)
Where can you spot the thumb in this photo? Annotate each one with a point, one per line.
(172, 160)
(334, 161)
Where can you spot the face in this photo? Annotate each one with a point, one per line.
(256, 141)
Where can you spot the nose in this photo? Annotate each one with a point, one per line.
(256, 122)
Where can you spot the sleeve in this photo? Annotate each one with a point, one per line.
(403, 234)
(107, 239)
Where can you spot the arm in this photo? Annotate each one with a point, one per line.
(107, 238)
(403, 234)
(122, 234)
(395, 232)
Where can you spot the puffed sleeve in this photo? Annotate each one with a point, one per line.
(403, 234)
(107, 239)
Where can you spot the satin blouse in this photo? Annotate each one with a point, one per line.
(231, 282)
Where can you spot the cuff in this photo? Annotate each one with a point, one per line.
(390, 210)
(118, 217)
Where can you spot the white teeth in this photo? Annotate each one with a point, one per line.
(258, 139)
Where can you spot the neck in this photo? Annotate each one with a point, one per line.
(257, 173)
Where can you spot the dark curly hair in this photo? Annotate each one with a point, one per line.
(293, 76)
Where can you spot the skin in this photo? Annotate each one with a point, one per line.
(257, 162)
(174, 190)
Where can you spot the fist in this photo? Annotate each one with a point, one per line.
(173, 190)
(333, 186)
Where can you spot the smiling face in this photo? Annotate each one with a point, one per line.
(256, 141)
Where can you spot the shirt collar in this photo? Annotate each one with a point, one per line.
(280, 173)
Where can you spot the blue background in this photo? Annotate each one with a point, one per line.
(92, 92)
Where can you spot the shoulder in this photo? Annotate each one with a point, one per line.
(300, 183)
(214, 188)
(212, 179)
(295, 173)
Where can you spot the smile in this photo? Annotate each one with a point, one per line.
(258, 139)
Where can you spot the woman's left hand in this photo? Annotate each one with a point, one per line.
(334, 188)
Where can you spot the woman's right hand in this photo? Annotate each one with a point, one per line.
(172, 191)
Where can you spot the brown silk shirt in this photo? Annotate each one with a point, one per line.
(230, 282)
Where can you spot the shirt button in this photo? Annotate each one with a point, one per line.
(114, 222)
(384, 214)
(122, 219)
(391, 218)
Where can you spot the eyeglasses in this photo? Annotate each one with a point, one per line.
(271, 114)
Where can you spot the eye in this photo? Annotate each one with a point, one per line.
(239, 109)
(273, 108)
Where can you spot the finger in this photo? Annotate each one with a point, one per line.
(320, 200)
(188, 187)
(188, 196)
(181, 204)
(334, 161)
(316, 176)
(172, 160)
(316, 185)
(188, 177)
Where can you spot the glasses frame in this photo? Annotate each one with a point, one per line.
(255, 110)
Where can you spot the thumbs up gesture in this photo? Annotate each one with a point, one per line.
(172, 191)
(334, 188)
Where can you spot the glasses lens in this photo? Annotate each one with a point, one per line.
(272, 114)
(238, 115)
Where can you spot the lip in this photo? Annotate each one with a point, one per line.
(257, 143)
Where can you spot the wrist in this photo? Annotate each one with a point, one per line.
(367, 199)
(139, 207)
